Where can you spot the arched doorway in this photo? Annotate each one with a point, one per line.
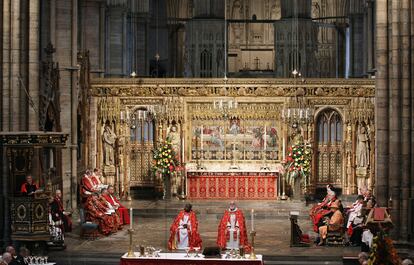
(329, 149)
(142, 140)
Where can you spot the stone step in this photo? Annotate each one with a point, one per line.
(214, 209)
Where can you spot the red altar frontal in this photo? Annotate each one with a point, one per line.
(232, 185)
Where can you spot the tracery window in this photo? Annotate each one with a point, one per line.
(206, 64)
(329, 148)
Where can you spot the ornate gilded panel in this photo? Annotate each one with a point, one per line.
(239, 135)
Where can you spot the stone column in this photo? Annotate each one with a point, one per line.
(74, 102)
(15, 86)
(395, 104)
(33, 83)
(6, 66)
(404, 16)
(381, 107)
(394, 119)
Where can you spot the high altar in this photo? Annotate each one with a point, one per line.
(231, 135)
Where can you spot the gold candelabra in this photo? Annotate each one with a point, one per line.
(252, 254)
(130, 249)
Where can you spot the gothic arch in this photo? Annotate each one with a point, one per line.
(328, 153)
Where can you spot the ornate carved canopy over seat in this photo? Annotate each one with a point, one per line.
(44, 139)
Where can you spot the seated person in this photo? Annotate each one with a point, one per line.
(29, 187)
(58, 213)
(122, 212)
(95, 177)
(335, 223)
(323, 208)
(368, 195)
(99, 213)
(111, 211)
(88, 187)
(355, 210)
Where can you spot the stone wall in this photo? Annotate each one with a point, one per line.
(394, 142)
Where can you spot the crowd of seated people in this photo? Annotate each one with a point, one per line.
(10, 257)
(331, 216)
(100, 204)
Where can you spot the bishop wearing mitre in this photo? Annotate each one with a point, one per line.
(184, 230)
(232, 232)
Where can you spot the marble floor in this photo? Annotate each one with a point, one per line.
(152, 220)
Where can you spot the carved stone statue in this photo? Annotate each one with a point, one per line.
(109, 138)
(362, 149)
(174, 137)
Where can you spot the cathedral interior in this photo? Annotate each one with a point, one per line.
(233, 88)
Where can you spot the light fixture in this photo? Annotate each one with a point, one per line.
(225, 106)
(143, 113)
(133, 74)
(297, 112)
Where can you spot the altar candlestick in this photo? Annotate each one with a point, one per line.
(130, 218)
(182, 151)
(252, 214)
(201, 138)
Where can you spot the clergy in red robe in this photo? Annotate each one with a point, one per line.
(232, 232)
(122, 212)
(184, 230)
(97, 212)
(58, 213)
(96, 181)
(87, 185)
(322, 209)
(112, 212)
(29, 187)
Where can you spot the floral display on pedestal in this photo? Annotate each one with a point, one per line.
(298, 163)
(383, 251)
(166, 164)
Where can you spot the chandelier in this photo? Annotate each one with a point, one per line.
(297, 112)
(225, 106)
(142, 113)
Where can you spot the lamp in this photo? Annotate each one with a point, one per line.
(297, 112)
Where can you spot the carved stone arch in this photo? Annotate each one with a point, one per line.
(51, 119)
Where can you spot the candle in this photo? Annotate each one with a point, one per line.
(252, 214)
(130, 218)
(283, 150)
(201, 138)
(182, 151)
(265, 142)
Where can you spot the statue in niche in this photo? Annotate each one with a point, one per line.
(362, 149)
(174, 136)
(187, 62)
(236, 10)
(109, 138)
(275, 10)
(175, 139)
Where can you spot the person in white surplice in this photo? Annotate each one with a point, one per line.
(232, 232)
(184, 230)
